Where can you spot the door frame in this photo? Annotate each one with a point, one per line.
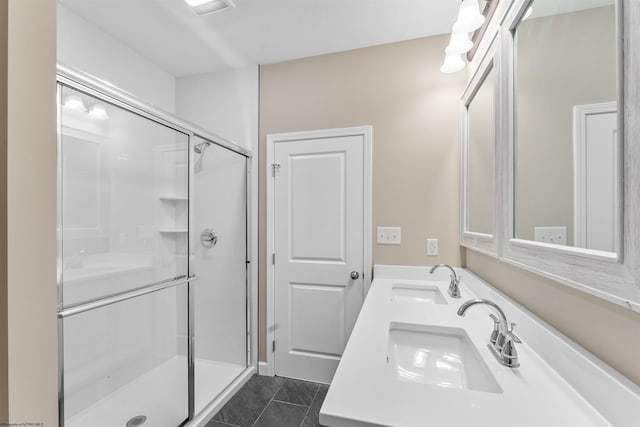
(366, 132)
(580, 114)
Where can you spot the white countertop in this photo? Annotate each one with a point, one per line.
(364, 391)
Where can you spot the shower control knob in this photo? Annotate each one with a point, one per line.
(208, 238)
(355, 275)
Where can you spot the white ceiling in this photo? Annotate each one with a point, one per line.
(169, 34)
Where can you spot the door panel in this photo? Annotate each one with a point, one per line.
(600, 183)
(319, 232)
(317, 207)
(324, 306)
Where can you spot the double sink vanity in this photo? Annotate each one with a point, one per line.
(419, 357)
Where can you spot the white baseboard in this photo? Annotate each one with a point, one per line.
(263, 369)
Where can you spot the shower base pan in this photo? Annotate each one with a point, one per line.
(160, 409)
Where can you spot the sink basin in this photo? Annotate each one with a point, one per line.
(426, 294)
(438, 356)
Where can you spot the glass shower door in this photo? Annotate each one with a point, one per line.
(123, 260)
(220, 255)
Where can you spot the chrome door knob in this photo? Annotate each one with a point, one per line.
(355, 275)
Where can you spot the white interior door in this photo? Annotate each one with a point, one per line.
(596, 176)
(318, 241)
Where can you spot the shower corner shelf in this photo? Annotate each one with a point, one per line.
(167, 198)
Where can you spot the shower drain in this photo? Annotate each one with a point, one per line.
(136, 421)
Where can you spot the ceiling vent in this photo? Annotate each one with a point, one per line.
(203, 7)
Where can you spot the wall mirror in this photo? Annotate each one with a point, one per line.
(569, 190)
(479, 156)
(567, 152)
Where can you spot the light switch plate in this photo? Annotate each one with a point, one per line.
(551, 235)
(389, 235)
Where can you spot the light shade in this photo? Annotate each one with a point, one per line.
(469, 17)
(452, 64)
(98, 112)
(74, 102)
(203, 7)
(459, 44)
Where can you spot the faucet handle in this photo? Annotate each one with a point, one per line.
(454, 286)
(512, 334)
(496, 328)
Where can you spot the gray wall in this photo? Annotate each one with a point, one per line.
(28, 374)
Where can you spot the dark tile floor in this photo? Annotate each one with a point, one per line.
(273, 401)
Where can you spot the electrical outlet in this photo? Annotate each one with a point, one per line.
(432, 247)
(389, 235)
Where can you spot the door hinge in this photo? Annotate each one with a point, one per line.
(274, 168)
(273, 346)
(273, 258)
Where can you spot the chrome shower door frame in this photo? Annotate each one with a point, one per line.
(102, 90)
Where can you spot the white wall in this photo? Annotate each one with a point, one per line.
(224, 102)
(83, 46)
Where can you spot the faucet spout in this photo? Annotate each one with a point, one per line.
(454, 285)
(435, 267)
(465, 306)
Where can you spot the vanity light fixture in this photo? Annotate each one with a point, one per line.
(74, 102)
(460, 43)
(469, 20)
(98, 112)
(453, 63)
(203, 7)
(469, 17)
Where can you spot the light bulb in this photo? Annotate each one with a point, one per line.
(459, 44)
(74, 102)
(469, 17)
(98, 112)
(452, 64)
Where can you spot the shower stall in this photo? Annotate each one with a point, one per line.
(154, 302)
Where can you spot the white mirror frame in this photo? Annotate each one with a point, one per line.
(613, 277)
(481, 242)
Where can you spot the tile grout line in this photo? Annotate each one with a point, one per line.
(310, 405)
(268, 403)
(226, 424)
(291, 403)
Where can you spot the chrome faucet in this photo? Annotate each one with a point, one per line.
(502, 339)
(454, 285)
